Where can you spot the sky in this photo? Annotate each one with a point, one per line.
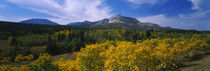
(182, 14)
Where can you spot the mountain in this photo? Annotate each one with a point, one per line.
(39, 21)
(151, 24)
(119, 22)
(82, 23)
(103, 21)
(123, 19)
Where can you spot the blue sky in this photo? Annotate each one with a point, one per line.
(183, 14)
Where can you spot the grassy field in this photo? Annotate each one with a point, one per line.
(4, 47)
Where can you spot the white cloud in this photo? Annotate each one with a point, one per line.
(13, 19)
(201, 7)
(1, 18)
(142, 2)
(177, 22)
(158, 19)
(201, 4)
(68, 10)
(196, 14)
(199, 19)
(195, 3)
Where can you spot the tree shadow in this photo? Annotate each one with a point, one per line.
(183, 65)
(199, 57)
(195, 58)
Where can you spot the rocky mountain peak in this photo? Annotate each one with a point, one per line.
(123, 19)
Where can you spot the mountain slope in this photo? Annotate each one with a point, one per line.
(82, 23)
(39, 21)
(123, 19)
(119, 22)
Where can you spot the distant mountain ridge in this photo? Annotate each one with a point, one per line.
(39, 21)
(111, 23)
(79, 23)
(119, 22)
(115, 19)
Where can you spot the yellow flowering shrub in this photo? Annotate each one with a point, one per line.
(90, 58)
(197, 47)
(21, 58)
(43, 63)
(5, 60)
(63, 32)
(29, 57)
(67, 65)
(149, 55)
(9, 68)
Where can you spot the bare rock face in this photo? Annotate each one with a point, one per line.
(103, 21)
(123, 19)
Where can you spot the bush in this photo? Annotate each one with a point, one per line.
(43, 63)
(5, 60)
(149, 55)
(21, 58)
(67, 65)
(9, 68)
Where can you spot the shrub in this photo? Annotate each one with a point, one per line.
(43, 63)
(5, 60)
(67, 65)
(21, 58)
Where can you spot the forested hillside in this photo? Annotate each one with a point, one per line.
(31, 46)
